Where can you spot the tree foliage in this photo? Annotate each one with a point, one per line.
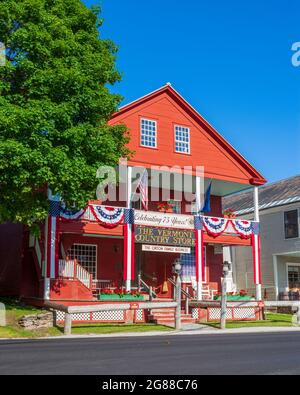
(54, 106)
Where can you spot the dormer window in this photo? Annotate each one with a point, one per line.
(148, 133)
(182, 140)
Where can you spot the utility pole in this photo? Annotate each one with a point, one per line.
(226, 268)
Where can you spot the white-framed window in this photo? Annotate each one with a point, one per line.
(148, 133)
(291, 224)
(86, 255)
(293, 275)
(182, 140)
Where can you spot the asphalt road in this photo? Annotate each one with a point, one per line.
(273, 354)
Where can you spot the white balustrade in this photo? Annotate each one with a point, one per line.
(72, 270)
(66, 268)
(84, 276)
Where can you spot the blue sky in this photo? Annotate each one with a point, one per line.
(230, 59)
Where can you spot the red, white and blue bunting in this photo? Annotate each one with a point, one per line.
(215, 226)
(243, 228)
(109, 217)
(71, 215)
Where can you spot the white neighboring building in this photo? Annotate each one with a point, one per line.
(280, 239)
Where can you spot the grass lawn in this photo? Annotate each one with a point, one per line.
(15, 310)
(85, 329)
(272, 320)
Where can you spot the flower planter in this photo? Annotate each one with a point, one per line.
(166, 211)
(120, 298)
(236, 298)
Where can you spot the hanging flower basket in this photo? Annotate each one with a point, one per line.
(229, 213)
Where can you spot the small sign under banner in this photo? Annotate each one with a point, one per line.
(166, 249)
(164, 220)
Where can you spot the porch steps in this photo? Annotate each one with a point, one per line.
(167, 317)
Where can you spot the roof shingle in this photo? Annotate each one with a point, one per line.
(276, 194)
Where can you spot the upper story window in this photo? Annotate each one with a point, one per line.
(182, 140)
(291, 224)
(148, 133)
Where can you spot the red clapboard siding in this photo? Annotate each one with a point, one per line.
(208, 148)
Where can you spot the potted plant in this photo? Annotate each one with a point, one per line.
(235, 297)
(165, 207)
(229, 213)
(119, 295)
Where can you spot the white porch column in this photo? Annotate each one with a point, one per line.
(128, 241)
(51, 256)
(275, 266)
(199, 248)
(256, 247)
(45, 263)
(256, 205)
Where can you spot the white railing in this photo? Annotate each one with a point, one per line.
(72, 270)
(66, 268)
(84, 276)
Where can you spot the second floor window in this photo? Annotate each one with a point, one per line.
(291, 224)
(182, 140)
(148, 133)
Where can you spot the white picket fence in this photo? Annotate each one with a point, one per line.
(72, 270)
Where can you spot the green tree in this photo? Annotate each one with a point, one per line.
(54, 106)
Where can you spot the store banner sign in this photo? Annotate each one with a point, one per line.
(163, 220)
(169, 237)
(167, 249)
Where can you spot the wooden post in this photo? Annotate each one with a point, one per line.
(298, 316)
(150, 293)
(187, 301)
(75, 269)
(174, 288)
(68, 324)
(224, 295)
(178, 307)
(223, 304)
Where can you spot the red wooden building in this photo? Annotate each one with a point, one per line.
(113, 244)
